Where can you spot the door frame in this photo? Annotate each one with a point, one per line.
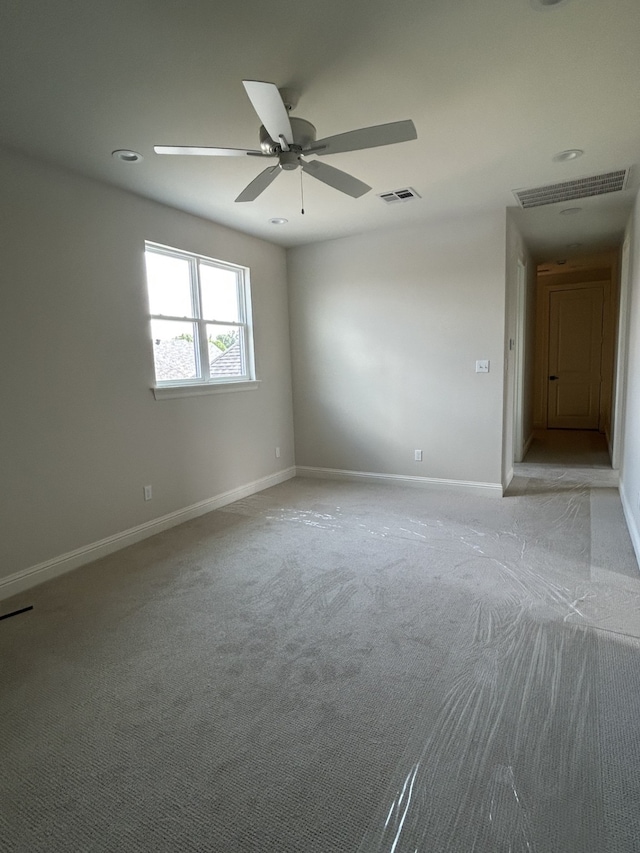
(519, 378)
(544, 318)
(620, 379)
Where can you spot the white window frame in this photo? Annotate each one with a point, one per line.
(204, 383)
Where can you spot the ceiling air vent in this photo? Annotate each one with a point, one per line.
(610, 182)
(395, 196)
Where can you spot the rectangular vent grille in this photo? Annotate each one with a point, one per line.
(395, 196)
(610, 182)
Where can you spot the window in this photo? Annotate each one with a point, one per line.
(200, 320)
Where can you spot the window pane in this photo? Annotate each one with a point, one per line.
(219, 289)
(174, 350)
(169, 285)
(226, 351)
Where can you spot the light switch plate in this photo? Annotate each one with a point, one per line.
(482, 365)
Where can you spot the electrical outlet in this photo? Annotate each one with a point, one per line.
(482, 365)
(277, 453)
(148, 493)
(417, 455)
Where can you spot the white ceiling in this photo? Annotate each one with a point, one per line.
(494, 87)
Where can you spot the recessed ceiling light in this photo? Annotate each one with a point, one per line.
(126, 155)
(548, 4)
(278, 220)
(569, 154)
(569, 211)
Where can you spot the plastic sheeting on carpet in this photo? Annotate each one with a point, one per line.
(334, 666)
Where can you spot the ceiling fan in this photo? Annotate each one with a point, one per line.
(288, 139)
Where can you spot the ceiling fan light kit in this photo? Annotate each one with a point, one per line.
(290, 139)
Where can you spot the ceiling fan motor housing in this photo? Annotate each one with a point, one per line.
(304, 133)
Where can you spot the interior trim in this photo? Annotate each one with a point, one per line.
(469, 486)
(630, 518)
(34, 575)
(171, 392)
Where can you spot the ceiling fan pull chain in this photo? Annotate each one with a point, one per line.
(301, 194)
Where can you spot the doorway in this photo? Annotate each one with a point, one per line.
(575, 340)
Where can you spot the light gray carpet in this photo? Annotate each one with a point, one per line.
(337, 667)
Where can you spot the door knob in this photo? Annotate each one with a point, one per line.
(554, 377)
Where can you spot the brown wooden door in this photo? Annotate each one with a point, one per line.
(575, 354)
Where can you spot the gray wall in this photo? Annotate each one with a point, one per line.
(630, 465)
(386, 329)
(80, 431)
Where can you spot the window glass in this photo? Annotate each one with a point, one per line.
(226, 351)
(174, 350)
(219, 289)
(169, 285)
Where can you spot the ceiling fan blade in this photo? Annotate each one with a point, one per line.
(271, 110)
(205, 152)
(365, 137)
(336, 178)
(259, 184)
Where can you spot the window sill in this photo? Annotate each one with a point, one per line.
(169, 392)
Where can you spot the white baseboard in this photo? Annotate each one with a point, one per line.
(632, 523)
(30, 577)
(487, 489)
(609, 439)
(527, 445)
(507, 480)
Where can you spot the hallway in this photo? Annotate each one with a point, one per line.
(569, 447)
